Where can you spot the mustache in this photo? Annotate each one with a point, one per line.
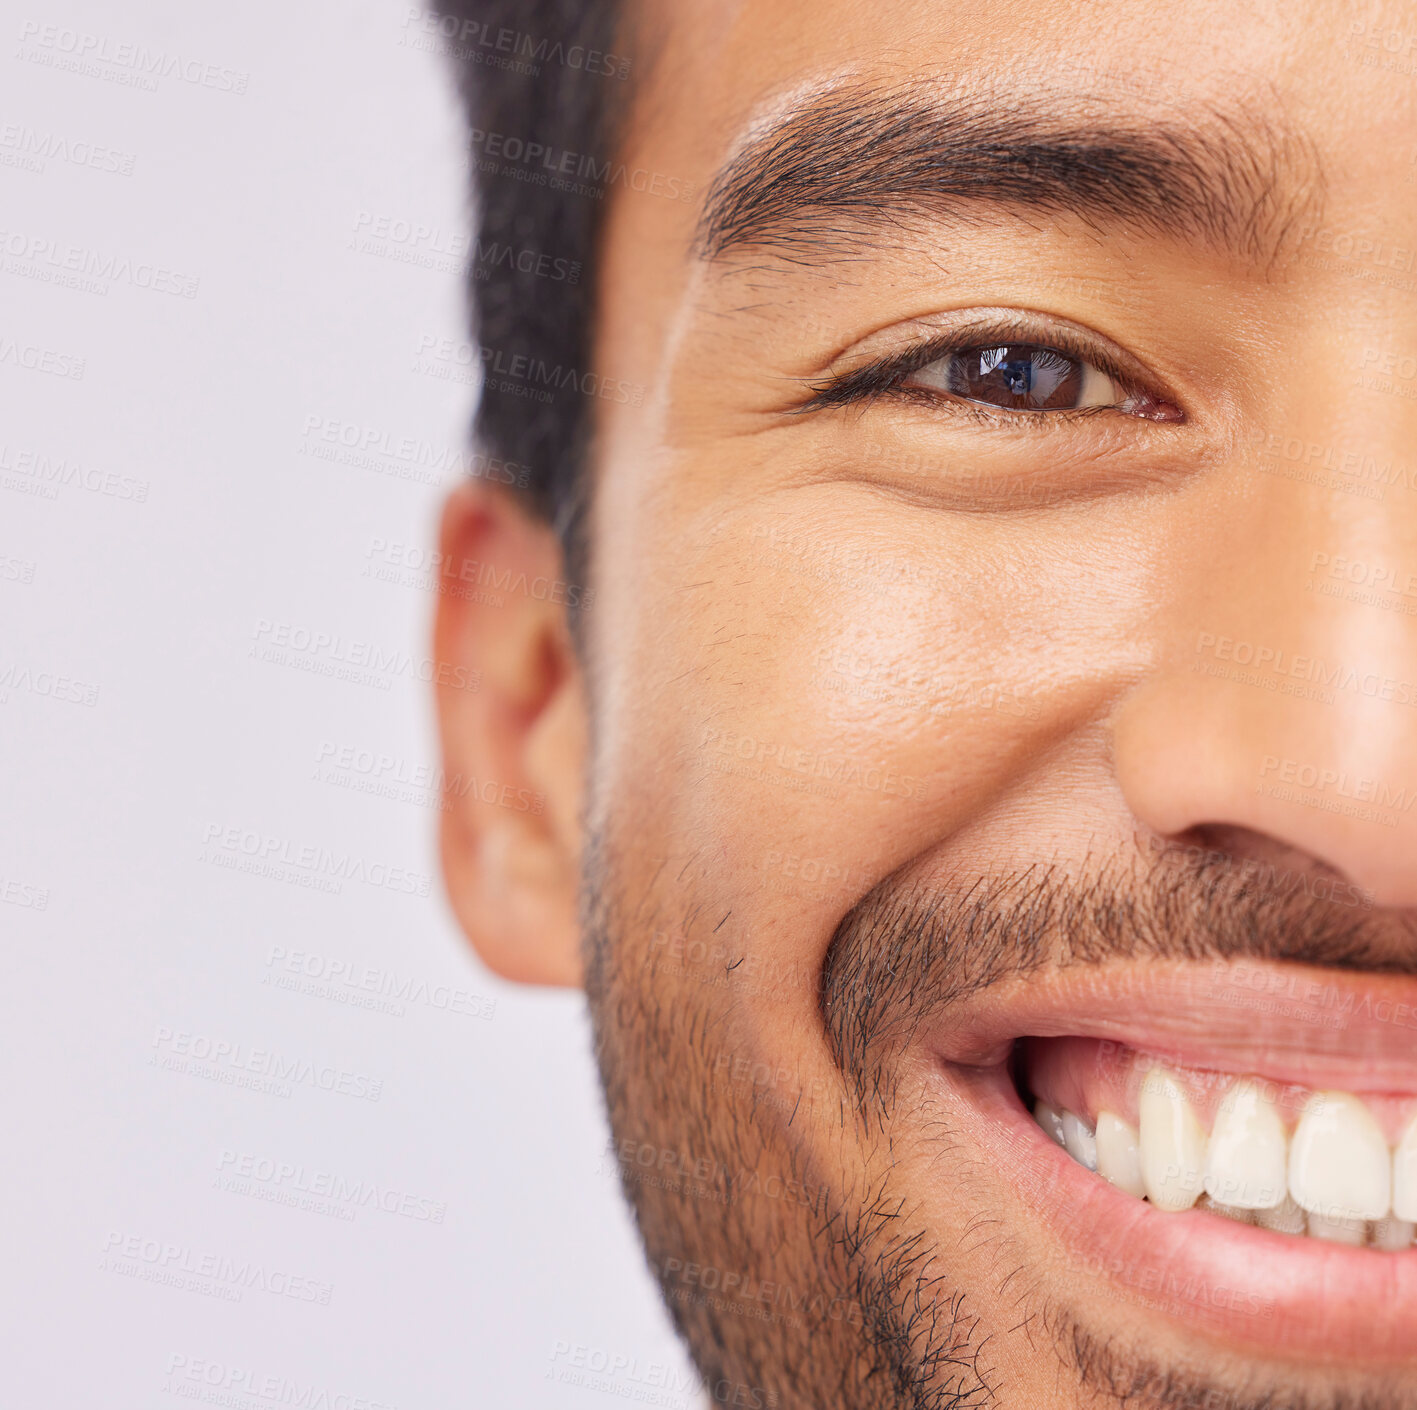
(913, 946)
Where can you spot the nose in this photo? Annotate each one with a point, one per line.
(1285, 702)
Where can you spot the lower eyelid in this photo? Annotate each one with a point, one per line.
(987, 414)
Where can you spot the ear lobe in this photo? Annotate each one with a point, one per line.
(511, 715)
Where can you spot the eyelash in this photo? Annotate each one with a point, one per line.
(885, 378)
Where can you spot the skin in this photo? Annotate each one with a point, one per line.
(1007, 675)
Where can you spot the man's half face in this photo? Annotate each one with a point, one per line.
(1003, 690)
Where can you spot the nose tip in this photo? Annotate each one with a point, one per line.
(1332, 785)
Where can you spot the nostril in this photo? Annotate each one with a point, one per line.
(1262, 895)
(1244, 852)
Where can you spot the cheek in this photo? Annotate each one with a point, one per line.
(824, 683)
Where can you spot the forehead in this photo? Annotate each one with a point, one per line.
(1159, 50)
(724, 72)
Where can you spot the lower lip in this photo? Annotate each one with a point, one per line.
(1248, 1288)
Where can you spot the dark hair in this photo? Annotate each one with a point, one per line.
(543, 89)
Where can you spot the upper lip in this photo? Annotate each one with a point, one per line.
(1293, 1023)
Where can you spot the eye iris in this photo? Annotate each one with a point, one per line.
(1018, 377)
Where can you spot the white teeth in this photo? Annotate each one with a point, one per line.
(1285, 1218)
(1050, 1119)
(1172, 1143)
(1119, 1154)
(1339, 1166)
(1246, 1162)
(1404, 1174)
(1393, 1234)
(1079, 1141)
(1334, 1179)
(1338, 1230)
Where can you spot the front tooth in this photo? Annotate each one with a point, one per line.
(1404, 1174)
(1245, 1165)
(1050, 1119)
(1172, 1143)
(1119, 1154)
(1079, 1140)
(1285, 1218)
(1339, 1166)
(1338, 1230)
(1393, 1234)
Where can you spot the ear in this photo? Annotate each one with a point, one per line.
(511, 713)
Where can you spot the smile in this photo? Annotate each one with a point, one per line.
(1328, 1164)
(1245, 1167)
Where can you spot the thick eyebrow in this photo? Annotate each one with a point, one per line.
(837, 168)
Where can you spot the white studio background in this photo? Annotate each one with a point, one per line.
(188, 564)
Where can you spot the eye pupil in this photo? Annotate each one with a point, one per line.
(1019, 377)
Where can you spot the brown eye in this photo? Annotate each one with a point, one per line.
(1044, 379)
(1021, 377)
